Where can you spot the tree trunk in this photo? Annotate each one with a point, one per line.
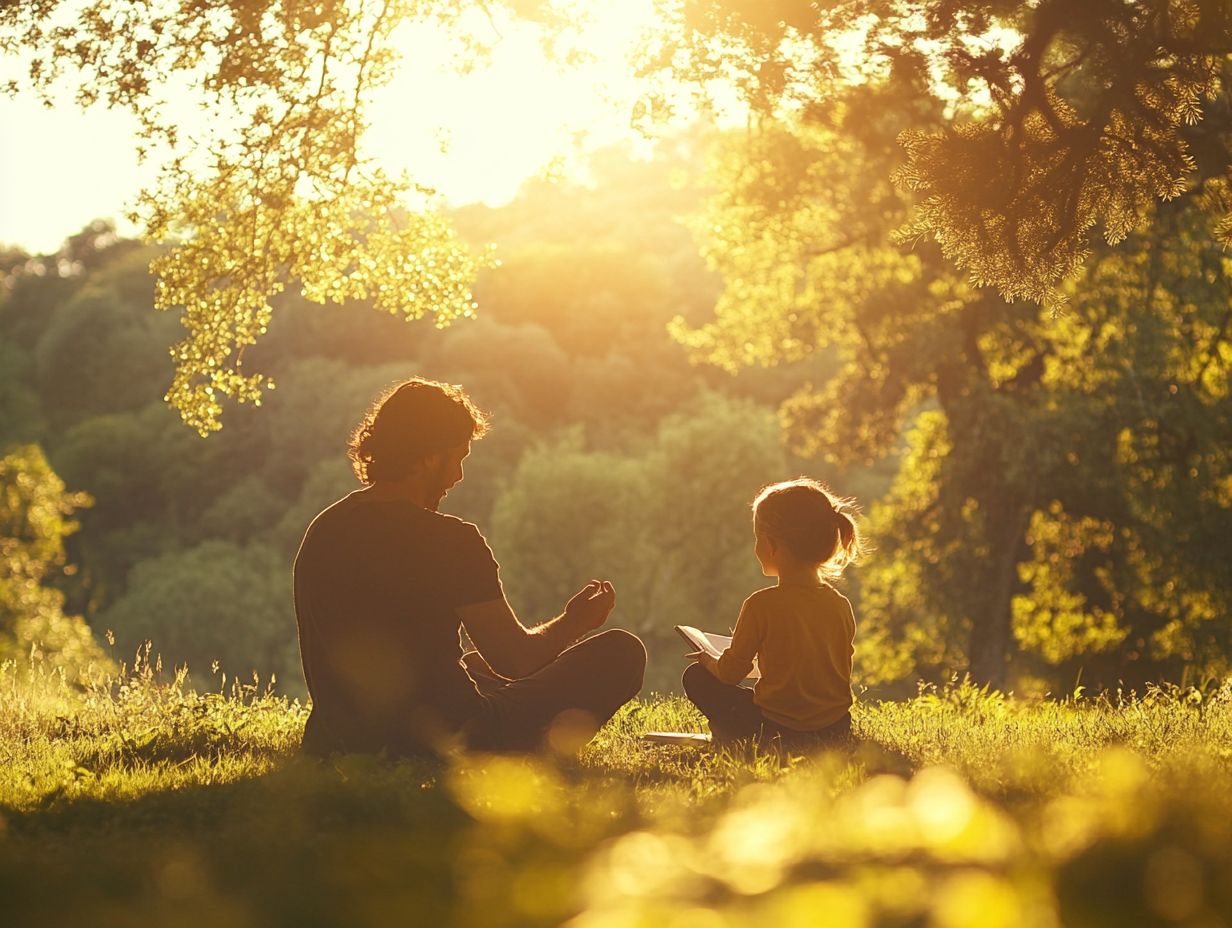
(990, 628)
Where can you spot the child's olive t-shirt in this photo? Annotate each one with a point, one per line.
(802, 636)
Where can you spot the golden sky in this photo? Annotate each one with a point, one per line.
(513, 117)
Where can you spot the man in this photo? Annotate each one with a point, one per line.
(384, 583)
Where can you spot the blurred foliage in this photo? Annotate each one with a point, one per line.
(35, 516)
(671, 526)
(1039, 125)
(959, 806)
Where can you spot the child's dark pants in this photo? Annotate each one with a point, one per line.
(733, 716)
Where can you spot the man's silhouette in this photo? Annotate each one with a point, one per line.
(384, 583)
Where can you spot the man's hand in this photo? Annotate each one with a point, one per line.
(591, 605)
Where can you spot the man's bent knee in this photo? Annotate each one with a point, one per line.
(625, 655)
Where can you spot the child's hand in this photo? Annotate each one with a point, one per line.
(702, 658)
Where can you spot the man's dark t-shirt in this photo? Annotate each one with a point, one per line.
(377, 583)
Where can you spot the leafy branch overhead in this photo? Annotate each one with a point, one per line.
(1039, 125)
(278, 189)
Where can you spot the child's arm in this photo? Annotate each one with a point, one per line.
(704, 659)
(734, 664)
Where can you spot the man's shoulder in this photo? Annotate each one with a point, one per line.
(455, 527)
(454, 523)
(355, 513)
(335, 513)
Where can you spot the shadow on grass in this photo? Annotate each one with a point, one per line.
(351, 842)
(726, 768)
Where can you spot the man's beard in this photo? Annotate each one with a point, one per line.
(441, 481)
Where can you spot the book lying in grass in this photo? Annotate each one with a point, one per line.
(712, 644)
(695, 738)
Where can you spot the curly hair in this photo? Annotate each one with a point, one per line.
(409, 422)
(812, 523)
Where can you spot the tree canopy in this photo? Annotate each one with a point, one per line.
(279, 190)
(35, 516)
(1040, 125)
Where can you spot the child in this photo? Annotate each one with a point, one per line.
(801, 630)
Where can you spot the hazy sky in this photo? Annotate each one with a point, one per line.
(504, 122)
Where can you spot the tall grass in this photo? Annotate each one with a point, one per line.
(135, 800)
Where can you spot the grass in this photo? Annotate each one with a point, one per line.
(139, 802)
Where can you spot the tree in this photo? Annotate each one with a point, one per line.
(1025, 129)
(35, 515)
(279, 190)
(1005, 397)
(104, 328)
(218, 601)
(1060, 120)
(1148, 371)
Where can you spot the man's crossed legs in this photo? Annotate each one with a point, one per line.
(562, 704)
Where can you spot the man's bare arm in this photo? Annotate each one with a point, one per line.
(513, 650)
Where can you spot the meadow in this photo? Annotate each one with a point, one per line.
(136, 800)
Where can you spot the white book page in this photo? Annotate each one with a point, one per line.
(712, 644)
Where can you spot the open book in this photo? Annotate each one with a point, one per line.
(712, 644)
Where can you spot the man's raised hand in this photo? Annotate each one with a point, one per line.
(591, 605)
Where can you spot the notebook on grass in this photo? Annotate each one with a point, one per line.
(695, 738)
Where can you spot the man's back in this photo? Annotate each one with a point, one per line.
(377, 583)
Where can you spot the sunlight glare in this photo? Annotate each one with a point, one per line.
(477, 133)
(472, 130)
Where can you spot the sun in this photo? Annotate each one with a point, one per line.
(477, 134)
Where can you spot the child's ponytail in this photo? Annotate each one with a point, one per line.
(849, 546)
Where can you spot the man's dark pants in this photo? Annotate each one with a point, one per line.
(563, 704)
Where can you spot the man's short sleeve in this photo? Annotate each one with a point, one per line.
(475, 575)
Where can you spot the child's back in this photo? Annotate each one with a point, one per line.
(805, 651)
